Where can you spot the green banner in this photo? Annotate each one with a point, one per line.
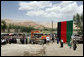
(69, 31)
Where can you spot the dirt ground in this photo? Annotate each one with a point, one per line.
(51, 49)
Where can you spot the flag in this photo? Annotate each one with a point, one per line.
(65, 30)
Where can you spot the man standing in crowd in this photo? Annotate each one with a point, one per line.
(52, 37)
(61, 43)
(48, 38)
(74, 44)
(71, 42)
(57, 40)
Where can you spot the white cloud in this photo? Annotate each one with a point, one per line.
(35, 13)
(80, 9)
(65, 3)
(34, 5)
(62, 11)
(70, 9)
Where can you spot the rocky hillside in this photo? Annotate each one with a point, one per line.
(24, 23)
(34, 24)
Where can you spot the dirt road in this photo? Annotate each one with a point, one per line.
(50, 50)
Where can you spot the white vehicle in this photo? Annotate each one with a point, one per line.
(79, 38)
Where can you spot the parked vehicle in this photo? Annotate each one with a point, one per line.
(37, 37)
(79, 38)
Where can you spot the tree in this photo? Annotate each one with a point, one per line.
(16, 28)
(3, 25)
(78, 21)
(81, 24)
(26, 29)
(9, 27)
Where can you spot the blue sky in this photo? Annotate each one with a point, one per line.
(24, 10)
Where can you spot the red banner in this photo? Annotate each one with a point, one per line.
(63, 31)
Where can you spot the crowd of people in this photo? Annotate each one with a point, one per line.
(22, 39)
(73, 42)
(14, 39)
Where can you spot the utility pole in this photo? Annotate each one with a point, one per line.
(52, 32)
(52, 26)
